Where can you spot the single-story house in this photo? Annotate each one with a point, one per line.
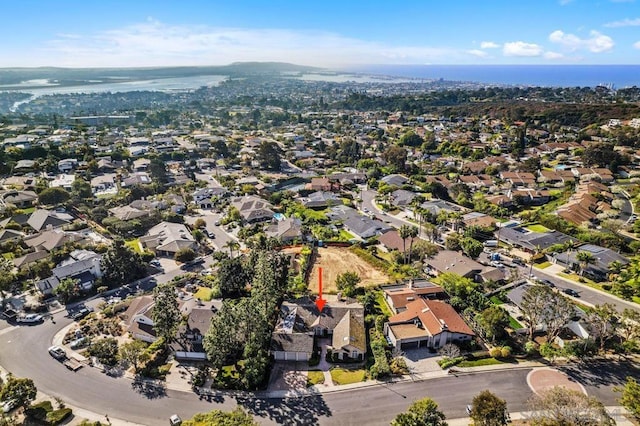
(253, 209)
(320, 199)
(427, 323)
(365, 227)
(285, 230)
(454, 262)
(42, 219)
(598, 270)
(167, 238)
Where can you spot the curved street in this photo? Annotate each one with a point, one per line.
(24, 353)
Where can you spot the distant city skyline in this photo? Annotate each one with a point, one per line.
(332, 34)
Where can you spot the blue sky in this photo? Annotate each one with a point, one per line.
(322, 33)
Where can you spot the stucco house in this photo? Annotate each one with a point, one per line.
(427, 323)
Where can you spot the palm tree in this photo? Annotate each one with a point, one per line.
(231, 245)
(585, 259)
(413, 233)
(404, 232)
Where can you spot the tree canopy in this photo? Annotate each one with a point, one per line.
(423, 412)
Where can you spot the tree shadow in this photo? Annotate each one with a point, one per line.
(149, 389)
(305, 410)
(209, 395)
(601, 372)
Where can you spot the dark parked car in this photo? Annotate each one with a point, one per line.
(571, 292)
(80, 313)
(549, 283)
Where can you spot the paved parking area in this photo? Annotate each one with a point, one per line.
(288, 376)
(422, 361)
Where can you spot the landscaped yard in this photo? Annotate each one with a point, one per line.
(315, 377)
(341, 376)
(204, 293)
(134, 245)
(480, 362)
(542, 265)
(496, 300)
(537, 228)
(345, 235)
(514, 324)
(381, 304)
(337, 260)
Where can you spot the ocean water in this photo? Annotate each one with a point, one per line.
(619, 76)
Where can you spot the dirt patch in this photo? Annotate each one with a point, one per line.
(337, 260)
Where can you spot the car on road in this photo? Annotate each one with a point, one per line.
(80, 313)
(517, 261)
(549, 283)
(57, 352)
(30, 319)
(571, 292)
(175, 420)
(211, 235)
(155, 262)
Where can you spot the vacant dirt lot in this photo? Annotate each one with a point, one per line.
(337, 260)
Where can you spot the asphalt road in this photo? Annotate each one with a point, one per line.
(24, 353)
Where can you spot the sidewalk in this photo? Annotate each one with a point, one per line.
(617, 413)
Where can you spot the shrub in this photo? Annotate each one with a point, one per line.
(380, 355)
(450, 362)
(505, 352)
(58, 416)
(531, 348)
(495, 352)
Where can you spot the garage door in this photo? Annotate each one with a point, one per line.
(409, 345)
(279, 356)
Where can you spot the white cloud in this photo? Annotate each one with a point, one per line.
(596, 43)
(478, 53)
(623, 23)
(489, 45)
(520, 48)
(553, 55)
(636, 44)
(154, 43)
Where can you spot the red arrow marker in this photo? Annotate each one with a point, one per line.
(320, 302)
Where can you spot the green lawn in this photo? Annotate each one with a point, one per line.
(577, 278)
(341, 376)
(381, 304)
(496, 300)
(204, 293)
(542, 265)
(480, 362)
(8, 255)
(134, 245)
(514, 324)
(315, 377)
(537, 228)
(346, 235)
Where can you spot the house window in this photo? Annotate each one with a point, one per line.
(354, 354)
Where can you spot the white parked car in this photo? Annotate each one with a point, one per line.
(57, 352)
(175, 420)
(30, 319)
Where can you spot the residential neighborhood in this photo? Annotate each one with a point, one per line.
(257, 250)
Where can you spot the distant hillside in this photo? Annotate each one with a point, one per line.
(72, 76)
